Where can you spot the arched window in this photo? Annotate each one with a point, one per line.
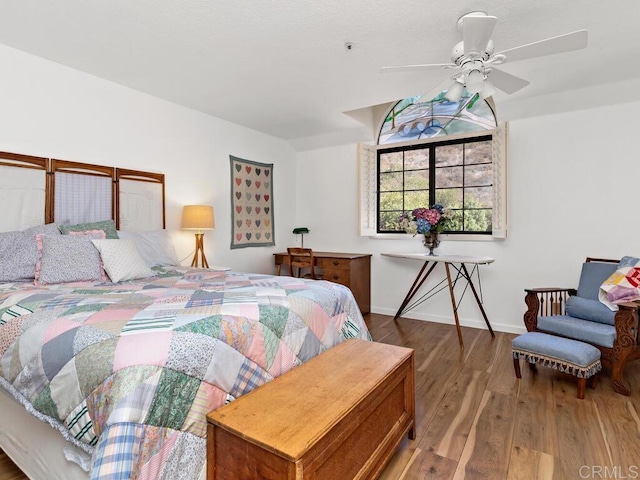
(436, 151)
(417, 118)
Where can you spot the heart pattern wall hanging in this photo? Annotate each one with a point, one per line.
(251, 203)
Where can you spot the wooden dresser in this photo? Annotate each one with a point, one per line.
(341, 416)
(352, 270)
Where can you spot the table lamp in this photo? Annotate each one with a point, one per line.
(301, 231)
(198, 217)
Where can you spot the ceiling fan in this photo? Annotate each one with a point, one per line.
(475, 59)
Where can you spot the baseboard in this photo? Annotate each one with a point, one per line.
(464, 322)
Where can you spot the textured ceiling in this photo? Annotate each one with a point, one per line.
(281, 67)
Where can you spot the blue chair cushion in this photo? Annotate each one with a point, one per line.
(587, 309)
(592, 276)
(583, 330)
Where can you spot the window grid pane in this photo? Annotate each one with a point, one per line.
(417, 180)
(477, 152)
(478, 175)
(391, 162)
(391, 181)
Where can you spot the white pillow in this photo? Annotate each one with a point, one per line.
(155, 246)
(121, 260)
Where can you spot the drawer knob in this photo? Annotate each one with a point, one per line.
(335, 277)
(336, 263)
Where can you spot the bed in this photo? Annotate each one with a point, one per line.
(111, 353)
(126, 372)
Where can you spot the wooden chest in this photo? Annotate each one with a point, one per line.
(339, 416)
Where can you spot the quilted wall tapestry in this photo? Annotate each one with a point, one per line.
(252, 203)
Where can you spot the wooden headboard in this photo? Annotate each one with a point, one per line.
(37, 190)
(23, 191)
(139, 200)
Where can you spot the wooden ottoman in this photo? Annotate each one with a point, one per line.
(340, 415)
(568, 356)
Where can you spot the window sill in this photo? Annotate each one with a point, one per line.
(448, 238)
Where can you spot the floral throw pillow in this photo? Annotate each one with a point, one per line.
(108, 226)
(68, 258)
(19, 252)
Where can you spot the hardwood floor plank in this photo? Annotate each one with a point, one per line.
(427, 465)
(431, 389)
(503, 378)
(481, 353)
(448, 431)
(469, 335)
(535, 423)
(400, 460)
(486, 452)
(436, 349)
(526, 464)
(580, 438)
(620, 425)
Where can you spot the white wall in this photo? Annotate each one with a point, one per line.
(571, 179)
(571, 195)
(54, 111)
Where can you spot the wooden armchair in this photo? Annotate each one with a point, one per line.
(578, 314)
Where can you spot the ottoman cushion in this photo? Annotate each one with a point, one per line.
(569, 356)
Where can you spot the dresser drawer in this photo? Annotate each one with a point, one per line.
(334, 263)
(337, 276)
(352, 270)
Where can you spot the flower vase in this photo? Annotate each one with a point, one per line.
(431, 242)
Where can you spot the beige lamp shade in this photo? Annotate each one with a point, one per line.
(198, 217)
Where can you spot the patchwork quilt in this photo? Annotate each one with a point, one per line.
(128, 371)
(623, 285)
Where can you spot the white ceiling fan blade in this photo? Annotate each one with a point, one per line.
(407, 68)
(550, 46)
(476, 33)
(505, 81)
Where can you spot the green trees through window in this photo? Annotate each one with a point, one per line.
(457, 174)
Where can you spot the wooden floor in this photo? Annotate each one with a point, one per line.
(8, 471)
(474, 420)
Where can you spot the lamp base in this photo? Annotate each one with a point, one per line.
(200, 251)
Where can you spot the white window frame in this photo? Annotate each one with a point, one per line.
(368, 176)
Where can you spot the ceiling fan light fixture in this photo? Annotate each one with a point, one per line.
(488, 89)
(474, 81)
(454, 93)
